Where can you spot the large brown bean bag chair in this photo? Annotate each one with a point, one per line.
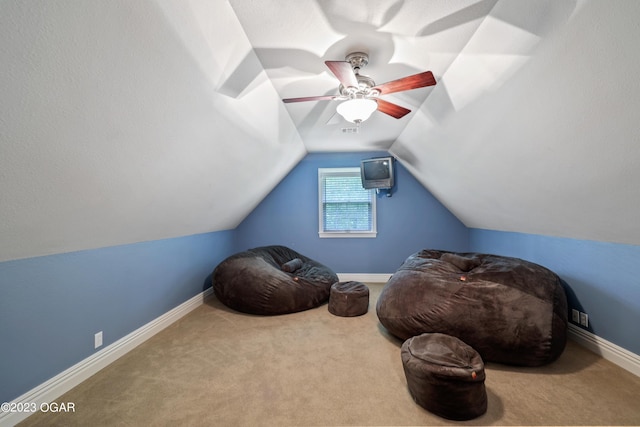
(509, 310)
(272, 280)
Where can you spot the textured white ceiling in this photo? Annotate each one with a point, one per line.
(115, 127)
(293, 39)
(129, 121)
(554, 148)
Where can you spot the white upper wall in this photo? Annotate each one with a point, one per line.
(555, 148)
(126, 121)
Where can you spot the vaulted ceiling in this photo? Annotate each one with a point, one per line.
(401, 38)
(130, 121)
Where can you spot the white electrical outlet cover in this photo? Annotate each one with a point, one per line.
(98, 339)
(584, 320)
(575, 315)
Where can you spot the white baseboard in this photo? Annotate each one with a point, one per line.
(608, 350)
(364, 277)
(66, 380)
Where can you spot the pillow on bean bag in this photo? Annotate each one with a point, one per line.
(292, 265)
(510, 310)
(272, 280)
(463, 263)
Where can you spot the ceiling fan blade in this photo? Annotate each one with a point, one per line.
(310, 98)
(410, 82)
(394, 110)
(344, 72)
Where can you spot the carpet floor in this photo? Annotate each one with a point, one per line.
(218, 367)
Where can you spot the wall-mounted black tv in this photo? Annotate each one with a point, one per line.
(377, 172)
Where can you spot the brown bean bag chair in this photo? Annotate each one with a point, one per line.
(509, 310)
(272, 280)
(445, 376)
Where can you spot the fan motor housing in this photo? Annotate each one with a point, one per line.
(359, 60)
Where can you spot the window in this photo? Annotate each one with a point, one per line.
(345, 208)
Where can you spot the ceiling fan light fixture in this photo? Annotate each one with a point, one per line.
(357, 110)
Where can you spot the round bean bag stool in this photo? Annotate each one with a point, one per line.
(509, 310)
(348, 299)
(445, 376)
(272, 280)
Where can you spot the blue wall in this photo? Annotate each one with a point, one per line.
(602, 277)
(51, 306)
(410, 220)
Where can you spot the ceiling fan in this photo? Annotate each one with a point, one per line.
(360, 94)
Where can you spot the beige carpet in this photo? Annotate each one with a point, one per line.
(222, 368)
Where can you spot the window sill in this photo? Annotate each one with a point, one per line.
(347, 234)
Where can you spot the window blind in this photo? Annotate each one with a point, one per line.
(346, 206)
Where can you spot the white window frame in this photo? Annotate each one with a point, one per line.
(322, 172)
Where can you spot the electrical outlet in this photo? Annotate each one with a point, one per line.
(97, 339)
(575, 315)
(584, 320)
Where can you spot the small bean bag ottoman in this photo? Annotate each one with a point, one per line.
(509, 310)
(272, 280)
(445, 376)
(348, 299)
